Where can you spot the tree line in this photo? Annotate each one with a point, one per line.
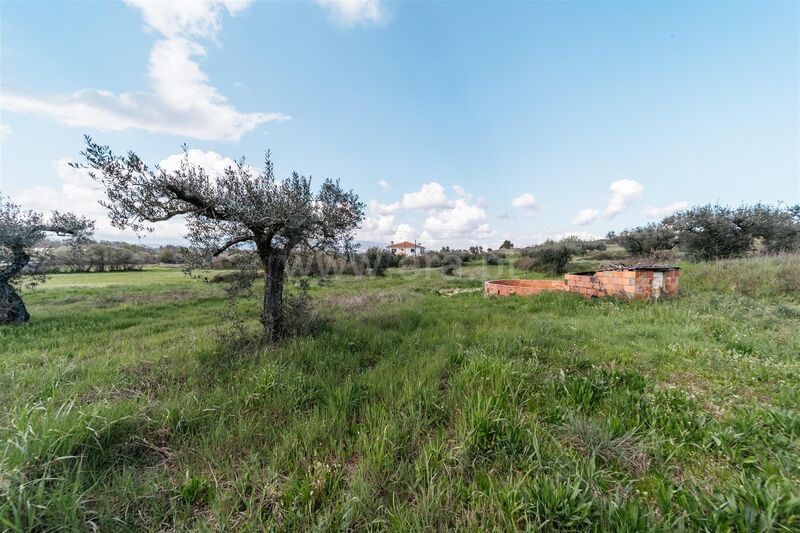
(51, 256)
(711, 232)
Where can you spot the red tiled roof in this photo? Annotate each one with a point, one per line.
(405, 244)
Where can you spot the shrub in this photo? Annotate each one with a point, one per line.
(377, 260)
(492, 259)
(410, 261)
(300, 316)
(719, 232)
(645, 240)
(549, 257)
(450, 264)
(711, 232)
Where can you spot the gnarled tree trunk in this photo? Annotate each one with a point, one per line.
(272, 313)
(12, 308)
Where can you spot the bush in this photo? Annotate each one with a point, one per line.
(645, 240)
(299, 313)
(377, 260)
(450, 264)
(718, 232)
(492, 259)
(551, 256)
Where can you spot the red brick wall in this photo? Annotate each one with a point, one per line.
(522, 287)
(632, 284)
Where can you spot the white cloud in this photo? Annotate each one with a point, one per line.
(213, 163)
(404, 232)
(182, 101)
(384, 209)
(586, 216)
(350, 13)
(525, 200)
(623, 193)
(377, 228)
(5, 131)
(384, 184)
(461, 220)
(660, 212)
(189, 18)
(455, 222)
(461, 193)
(430, 196)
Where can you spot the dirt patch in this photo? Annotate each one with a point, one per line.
(456, 292)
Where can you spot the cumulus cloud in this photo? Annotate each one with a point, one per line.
(181, 101)
(350, 13)
(527, 203)
(384, 209)
(377, 228)
(454, 221)
(430, 196)
(404, 232)
(525, 200)
(460, 220)
(190, 18)
(661, 212)
(586, 216)
(5, 131)
(79, 193)
(384, 184)
(623, 193)
(211, 161)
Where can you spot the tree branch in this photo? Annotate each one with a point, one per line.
(232, 242)
(197, 202)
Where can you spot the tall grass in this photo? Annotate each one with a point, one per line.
(764, 276)
(408, 410)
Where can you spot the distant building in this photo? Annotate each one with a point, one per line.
(406, 248)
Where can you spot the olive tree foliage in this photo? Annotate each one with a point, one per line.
(242, 209)
(710, 232)
(20, 231)
(645, 240)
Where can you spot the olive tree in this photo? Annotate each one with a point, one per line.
(20, 231)
(242, 208)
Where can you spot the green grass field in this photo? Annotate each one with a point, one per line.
(123, 409)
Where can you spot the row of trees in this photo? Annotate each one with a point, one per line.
(52, 256)
(711, 232)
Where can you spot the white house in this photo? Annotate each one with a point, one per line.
(406, 248)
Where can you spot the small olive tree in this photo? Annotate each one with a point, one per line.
(241, 208)
(20, 231)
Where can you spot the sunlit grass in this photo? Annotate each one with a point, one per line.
(123, 409)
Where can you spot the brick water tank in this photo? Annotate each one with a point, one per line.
(639, 283)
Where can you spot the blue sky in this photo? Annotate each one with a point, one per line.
(459, 123)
